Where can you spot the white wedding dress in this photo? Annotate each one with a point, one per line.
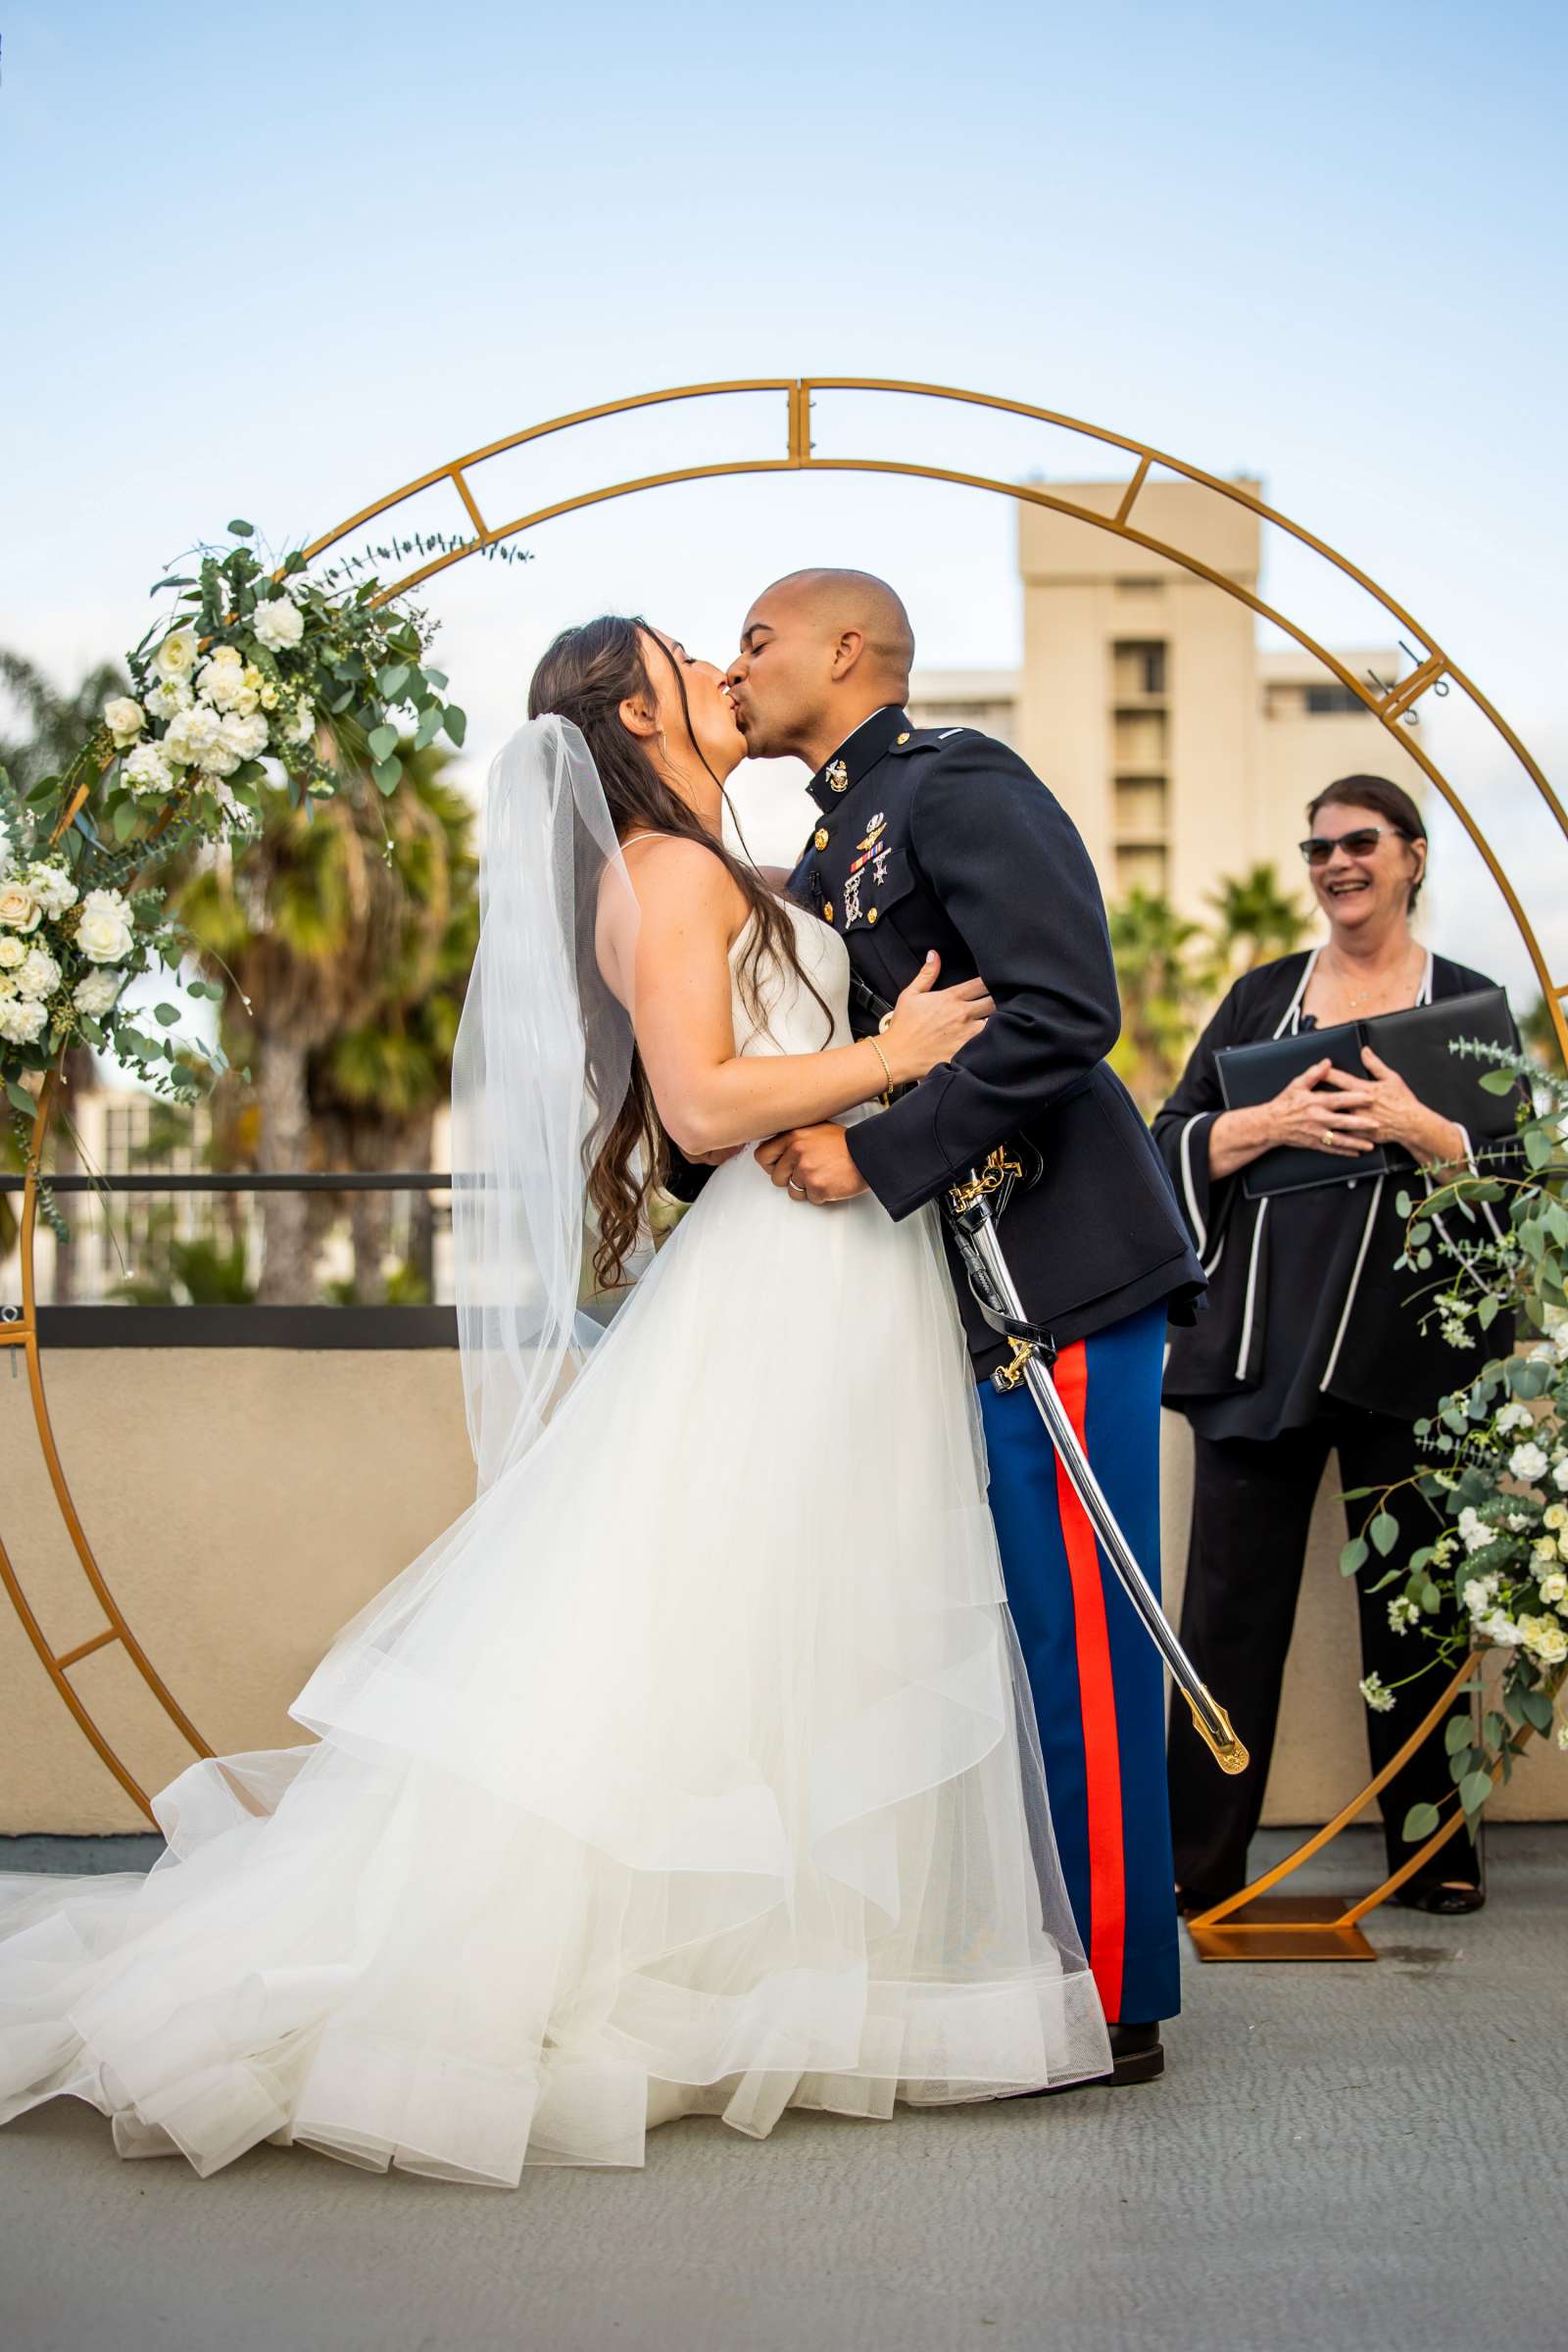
(692, 1769)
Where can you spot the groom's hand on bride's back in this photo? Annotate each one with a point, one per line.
(812, 1163)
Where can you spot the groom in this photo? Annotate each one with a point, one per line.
(942, 838)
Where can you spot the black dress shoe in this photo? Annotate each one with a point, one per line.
(1445, 1901)
(1137, 2056)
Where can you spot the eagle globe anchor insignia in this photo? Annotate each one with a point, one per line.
(972, 1210)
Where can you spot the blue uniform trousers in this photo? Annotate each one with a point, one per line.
(1097, 1678)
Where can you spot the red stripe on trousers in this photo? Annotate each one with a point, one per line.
(1096, 1696)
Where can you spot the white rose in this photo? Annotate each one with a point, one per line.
(20, 909)
(1527, 1462)
(175, 658)
(192, 735)
(1559, 1473)
(12, 950)
(95, 992)
(52, 887)
(126, 721)
(105, 934)
(1513, 1416)
(251, 684)
(1547, 1641)
(21, 1019)
(168, 696)
(221, 676)
(277, 623)
(37, 974)
(244, 737)
(1545, 1548)
(148, 772)
(1555, 1588)
(1555, 1516)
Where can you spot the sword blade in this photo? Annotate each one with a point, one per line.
(1209, 1716)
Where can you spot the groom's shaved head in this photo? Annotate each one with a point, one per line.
(857, 600)
(820, 651)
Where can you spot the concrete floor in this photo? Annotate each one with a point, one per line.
(1346, 2156)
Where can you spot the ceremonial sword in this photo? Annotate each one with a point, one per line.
(971, 1214)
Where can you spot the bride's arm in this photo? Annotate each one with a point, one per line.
(710, 1098)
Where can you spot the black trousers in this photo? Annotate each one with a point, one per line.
(1252, 1508)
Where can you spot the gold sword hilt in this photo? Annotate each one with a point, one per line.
(1228, 1752)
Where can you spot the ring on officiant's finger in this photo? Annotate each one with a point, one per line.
(1328, 1139)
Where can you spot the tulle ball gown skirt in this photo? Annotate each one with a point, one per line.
(692, 1769)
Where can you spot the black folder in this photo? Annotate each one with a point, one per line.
(1417, 1044)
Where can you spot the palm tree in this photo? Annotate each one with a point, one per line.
(1152, 947)
(54, 726)
(1254, 920)
(375, 1089)
(310, 914)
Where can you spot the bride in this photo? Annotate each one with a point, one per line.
(693, 1769)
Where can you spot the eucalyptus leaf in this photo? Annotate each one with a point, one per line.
(1474, 1791)
(388, 776)
(1353, 1556)
(1536, 1708)
(1419, 1824)
(455, 722)
(1385, 1532)
(21, 1098)
(241, 530)
(382, 742)
(392, 680)
(1457, 1734)
(1500, 1082)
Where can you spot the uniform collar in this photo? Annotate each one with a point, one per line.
(857, 756)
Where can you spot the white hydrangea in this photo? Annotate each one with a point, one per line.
(37, 974)
(21, 1019)
(125, 719)
(148, 772)
(1528, 1462)
(1379, 1697)
(243, 736)
(51, 885)
(277, 623)
(1500, 1628)
(95, 992)
(104, 933)
(170, 696)
(193, 736)
(20, 909)
(175, 658)
(221, 681)
(1473, 1531)
(1513, 1416)
(1478, 1594)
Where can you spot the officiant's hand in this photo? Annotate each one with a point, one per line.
(812, 1163)
(1382, 1108)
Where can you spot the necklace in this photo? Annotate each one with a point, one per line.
(1363, 996)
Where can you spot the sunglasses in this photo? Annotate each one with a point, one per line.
(1320, 847)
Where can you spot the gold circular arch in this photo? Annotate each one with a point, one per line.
(1392, 705)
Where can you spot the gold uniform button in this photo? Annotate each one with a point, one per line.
(871, 917)
(821, 839)
(827, 912)
(905, 737)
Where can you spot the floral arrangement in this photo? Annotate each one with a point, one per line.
(238, 691)
(1495, 1468)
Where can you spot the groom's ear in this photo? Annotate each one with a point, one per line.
(847, 651)
(638, 716)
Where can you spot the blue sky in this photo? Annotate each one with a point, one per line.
(273, 261)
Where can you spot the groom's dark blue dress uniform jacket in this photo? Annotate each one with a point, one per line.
(940, 837)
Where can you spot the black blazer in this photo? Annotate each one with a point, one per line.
(942, 838)
(1304, 1304)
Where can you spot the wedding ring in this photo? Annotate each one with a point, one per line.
(797, 1190)
(1328, 1138)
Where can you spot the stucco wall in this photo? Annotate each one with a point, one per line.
(245, 1501)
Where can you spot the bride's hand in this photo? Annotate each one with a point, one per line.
(929, 1024)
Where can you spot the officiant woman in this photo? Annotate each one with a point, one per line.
(1311, 1343)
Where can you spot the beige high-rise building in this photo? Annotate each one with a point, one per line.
(1182, 750)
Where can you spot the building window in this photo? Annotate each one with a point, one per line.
(1142, 866)
(1143, 809)
(1326, 702)
(1138, 667)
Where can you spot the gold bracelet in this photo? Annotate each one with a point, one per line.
(883, 1059)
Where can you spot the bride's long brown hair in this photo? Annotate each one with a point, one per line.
(585, 676)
